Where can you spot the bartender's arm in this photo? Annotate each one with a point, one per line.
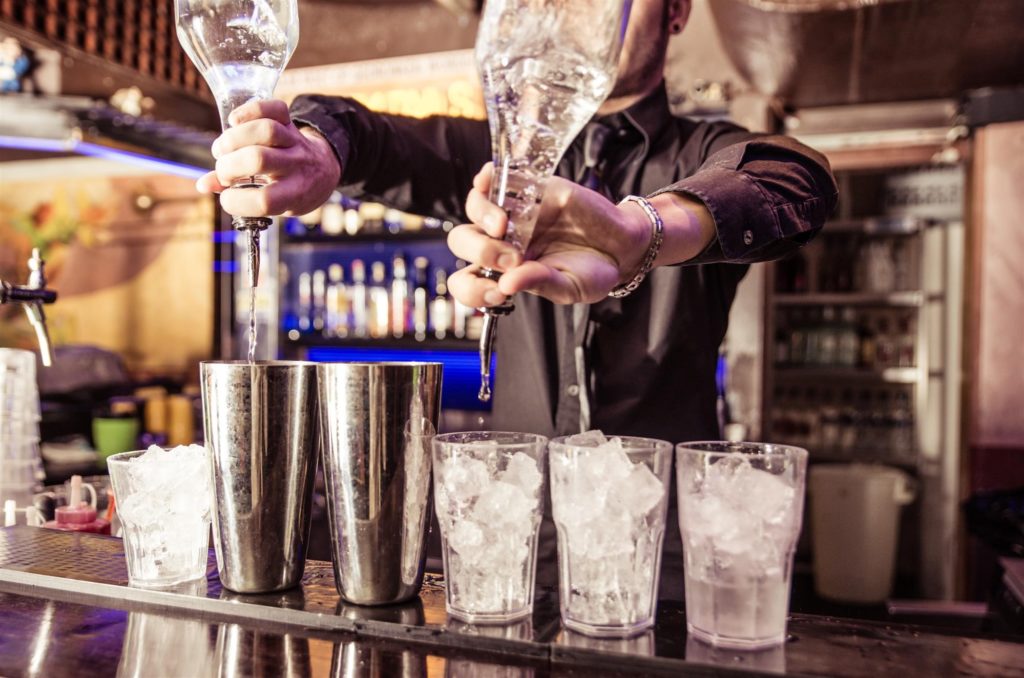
(420, 165)
(754, 200)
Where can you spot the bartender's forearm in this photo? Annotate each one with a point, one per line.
(421, 165)
(687, 229)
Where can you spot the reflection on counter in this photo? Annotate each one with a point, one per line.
(771, 660)
(156, 644)
(642, 645)
(465, 668)
(246, 652)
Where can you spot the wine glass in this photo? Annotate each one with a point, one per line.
(545, 66)
(240, 47)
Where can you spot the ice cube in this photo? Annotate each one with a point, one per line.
(466, 538)
(639, 492)
(504, 506)
(593, 438)
(522, 472)
(463, 478)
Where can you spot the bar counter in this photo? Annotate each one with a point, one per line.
(68, 611)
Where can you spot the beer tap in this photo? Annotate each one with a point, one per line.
(33, 296)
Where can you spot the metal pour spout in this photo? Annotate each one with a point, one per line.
(487, 335)
(33, 296)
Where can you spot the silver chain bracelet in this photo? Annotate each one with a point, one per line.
(657, 235)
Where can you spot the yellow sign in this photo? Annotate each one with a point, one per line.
(440, 83)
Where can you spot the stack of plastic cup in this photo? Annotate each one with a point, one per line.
(21, 467)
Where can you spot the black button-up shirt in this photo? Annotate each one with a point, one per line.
(643, 365)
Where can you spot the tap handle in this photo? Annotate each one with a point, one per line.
(37, 271)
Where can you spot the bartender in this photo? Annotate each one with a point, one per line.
(623, 304)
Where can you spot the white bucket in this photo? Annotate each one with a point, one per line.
(855, 511)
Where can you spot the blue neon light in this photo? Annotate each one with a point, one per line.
(461, 368)
(225, 267)
(105, 152)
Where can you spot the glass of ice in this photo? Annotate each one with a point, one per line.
(609, 498)
(488, 493)
(163, 503)
(740, 511)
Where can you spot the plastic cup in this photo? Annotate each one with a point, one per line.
(114, 435)
(740, 512)
(609, 501)
(488, 493)
(165, 516)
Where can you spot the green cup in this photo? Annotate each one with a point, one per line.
(113, 435)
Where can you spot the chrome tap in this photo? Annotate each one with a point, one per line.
(33, 296)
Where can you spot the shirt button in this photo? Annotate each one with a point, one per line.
(573, 390)
(748, 237)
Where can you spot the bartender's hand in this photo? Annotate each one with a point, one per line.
(583, 245)
(262, 140)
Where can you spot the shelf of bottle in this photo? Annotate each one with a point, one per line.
(434, 234)
(911, 298)
(889, 375)
(408, 342)
(879, 225)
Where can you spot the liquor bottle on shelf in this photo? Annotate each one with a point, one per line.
(359, 301)
(904, 275)
(902, 432)
(337, 303)
(868, 344)
(399, 297)
(319, 301)
(332, 216)
(828, 338)
(305, 307)
(441, 306)
(830, 427)
(798, 339)
(880, 269)
(420, 298)
(848, 343)
(379, 315)
(885, 344)
(849, 422)
(353, 221)
(905, 344)
(812, 339)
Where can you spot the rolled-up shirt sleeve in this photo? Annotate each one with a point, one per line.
(422, 165)
(769, 195)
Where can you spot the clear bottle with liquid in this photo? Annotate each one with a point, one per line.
(420, 298)
(304, 310)
(319, 300)
(379, 315)
(337, 302)
(359, 301)
(848, 343)
(441, 305)
(400, 302)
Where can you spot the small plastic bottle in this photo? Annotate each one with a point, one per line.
(78, 515)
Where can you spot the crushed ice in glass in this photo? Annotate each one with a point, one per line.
(166, 508)
(610, 515)
(489, 514)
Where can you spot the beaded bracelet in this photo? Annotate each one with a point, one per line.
(658, 233)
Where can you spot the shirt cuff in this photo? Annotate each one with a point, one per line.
(312, 111)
